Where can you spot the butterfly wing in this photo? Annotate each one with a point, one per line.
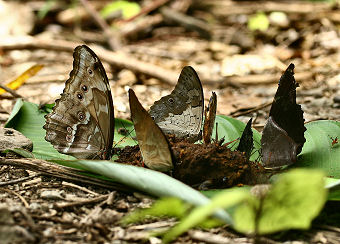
(81, 123)
(152, 142)
(210, 116)
(278, 149)
(181, 112)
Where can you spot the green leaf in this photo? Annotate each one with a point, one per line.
(231, 129)
(126, 138)
(294, 200)
(22, 152)
(128, 9)
(318, 151)
(225, 199)
(152, 182)
(15, 111)
(168, 206)
(258, 22)
(333, 185)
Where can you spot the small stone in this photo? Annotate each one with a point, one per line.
(51, 195)
(132, 199)
(122, 205)
(279, 19)
(108, 216)
(127, 77)
(336, 99)
(49, 232)
(4, 117)
(67, 217)
(34, 206)
(111, 198)
(11, 139)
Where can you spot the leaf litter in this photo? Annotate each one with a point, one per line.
(319, 96)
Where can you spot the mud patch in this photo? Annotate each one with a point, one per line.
(204, 166)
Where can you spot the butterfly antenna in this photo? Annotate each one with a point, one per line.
(232, 143)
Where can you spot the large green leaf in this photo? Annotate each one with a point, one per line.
(318, 151)
(231, 129)
(167, 206)
(283, 207)
(292, 202)
(152, 182)
(225, 199)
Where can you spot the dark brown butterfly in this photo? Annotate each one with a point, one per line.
(152, 142)
(181, 112)
(278, 148)
(210, 116)
(81, 123)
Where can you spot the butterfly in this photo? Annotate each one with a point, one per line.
(210, 116)
(181, 112)
(81, 123)
(278, 148)
(154, 146)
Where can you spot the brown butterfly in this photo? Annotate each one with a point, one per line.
(81, 123)
(181, 112)
(152, 142)
(278, 148)
(210, 116)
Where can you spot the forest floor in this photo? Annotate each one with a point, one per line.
(241, 65)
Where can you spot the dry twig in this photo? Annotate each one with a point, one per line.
(112, 38)
(61, 172)
(11, 182)
(82, 203)
(11, 91)
(187, 22)
(154, 5)
(116, 59)
(18, 195)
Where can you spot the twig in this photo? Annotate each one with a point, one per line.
(187, 22)
(145, 23)
(11, 182)
(79, 188)
(55, 219)
(225, 8)
(112, 38)
(154, 5)
(18, 195)
(77, 203)
(12, 92)
(248, 111)
(61, 172)
(262, 78)
(131, 28)
(119, 60)
(207, 237)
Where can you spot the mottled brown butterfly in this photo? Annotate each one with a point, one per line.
(81, 123)
(181, 112)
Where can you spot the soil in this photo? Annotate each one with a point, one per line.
(204, 166)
